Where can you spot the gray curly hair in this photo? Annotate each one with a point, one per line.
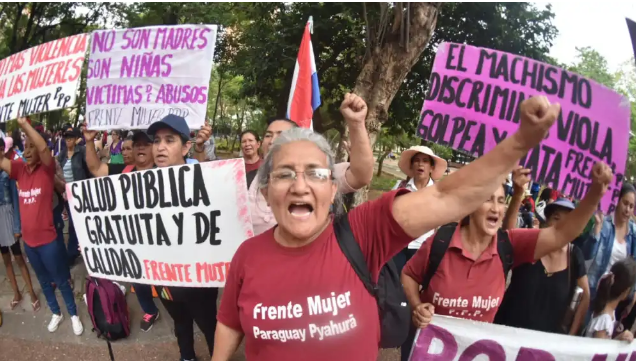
(290, 136)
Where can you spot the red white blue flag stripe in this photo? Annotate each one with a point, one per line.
(304, 95)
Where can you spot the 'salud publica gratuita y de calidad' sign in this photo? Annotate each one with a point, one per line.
(175, 226)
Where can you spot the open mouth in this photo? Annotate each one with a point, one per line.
(492, 221)
(420, 171)
(300, 210)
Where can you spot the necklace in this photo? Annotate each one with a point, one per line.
(549, 274)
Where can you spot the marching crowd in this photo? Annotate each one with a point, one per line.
(293, 292)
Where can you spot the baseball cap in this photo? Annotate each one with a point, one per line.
(70, 131)
(141, 135)
(176, 123)
(559, 203)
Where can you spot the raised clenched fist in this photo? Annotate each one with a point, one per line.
(204, 134)
(537, 116)
(602, 176)
(353, 109)
(520, 177)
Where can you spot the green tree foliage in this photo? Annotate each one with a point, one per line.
(24, 25)
(626, 84)
(591, 64)
(269, 46)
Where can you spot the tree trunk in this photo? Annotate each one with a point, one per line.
(13, 43)
(218, 96)
(390, 61)
(384, 71)
(239, 127)
(381, 159)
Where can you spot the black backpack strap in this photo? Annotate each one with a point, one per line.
(440, 244)
(504, 248)
(110, 351)
(249, 177)
(353, 252)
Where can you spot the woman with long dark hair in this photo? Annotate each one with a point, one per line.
(35, 180)
(614, 239)
(10, 233)
(613, 288)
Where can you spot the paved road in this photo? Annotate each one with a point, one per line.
(390, 167)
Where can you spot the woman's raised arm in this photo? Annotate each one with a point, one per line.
(571, 226)
(463, 191)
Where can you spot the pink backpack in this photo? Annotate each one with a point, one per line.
(108, 310)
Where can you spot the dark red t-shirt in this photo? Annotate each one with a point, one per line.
(251, 167)
(466, 287)
(35, 194)
(307, 303)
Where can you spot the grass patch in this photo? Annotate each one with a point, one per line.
(383, 183)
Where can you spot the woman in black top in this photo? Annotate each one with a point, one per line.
(540, 293)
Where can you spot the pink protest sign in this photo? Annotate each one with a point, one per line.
(473, 102)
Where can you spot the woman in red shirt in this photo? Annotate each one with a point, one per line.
(290, 290)
(48, 257)
(250, 142)
(469, 282)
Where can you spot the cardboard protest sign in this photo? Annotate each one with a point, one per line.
(42, 78)
(176, 226)
(454, 339)
(138, 76)
(473, 102)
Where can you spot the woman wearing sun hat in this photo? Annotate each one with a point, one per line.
(422, 167)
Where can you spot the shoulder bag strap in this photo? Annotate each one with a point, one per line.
(441, 241)
(504, 248)
(353, 252)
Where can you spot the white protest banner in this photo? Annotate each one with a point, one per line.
(42, 78)
(454, 339)
(175, 226)
(138, 76)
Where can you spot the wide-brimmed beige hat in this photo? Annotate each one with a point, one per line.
(405, 161)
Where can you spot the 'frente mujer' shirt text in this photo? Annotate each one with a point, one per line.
(307, 303)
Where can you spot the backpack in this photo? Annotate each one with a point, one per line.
(108, 310)
(440, 244)
(394, 310)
